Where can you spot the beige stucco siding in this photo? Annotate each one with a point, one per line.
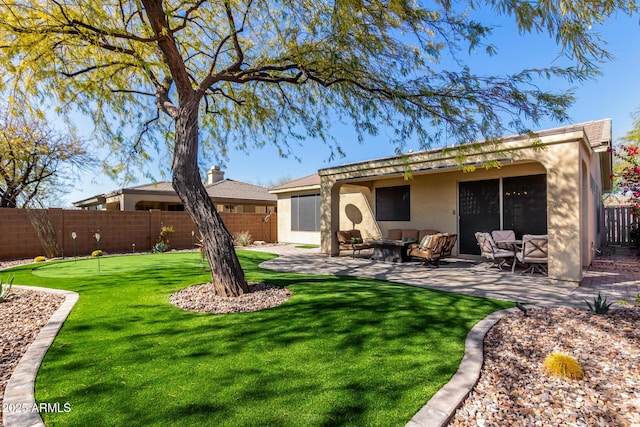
(356, 212)
(155, 201)
(285, 234)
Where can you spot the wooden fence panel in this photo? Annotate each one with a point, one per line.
(617, 224)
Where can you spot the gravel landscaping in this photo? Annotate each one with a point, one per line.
(202, 298)
(513, 389)
(22, 315)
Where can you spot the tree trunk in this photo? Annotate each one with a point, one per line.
(46, 232)
(8, 198)
(226, 273)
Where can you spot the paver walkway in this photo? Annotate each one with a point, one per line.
(462, 276)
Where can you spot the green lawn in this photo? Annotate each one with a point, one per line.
(341, 351)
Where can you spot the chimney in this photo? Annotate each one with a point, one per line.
(214, 175)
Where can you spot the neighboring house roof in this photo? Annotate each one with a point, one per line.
(161, 187)
(310, 182)
(226, 190)
(233, 190)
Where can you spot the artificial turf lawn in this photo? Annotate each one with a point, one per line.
(341, 351)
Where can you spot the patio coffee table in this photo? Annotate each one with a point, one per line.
(390, 250)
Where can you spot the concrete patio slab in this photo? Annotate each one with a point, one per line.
(460, 276)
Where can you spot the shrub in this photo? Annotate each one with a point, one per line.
(39, 259)
(160, 247)
(96, 253)
(600, 305)
(5, 288)
(243, 238)
(165, 235)
(561, 365)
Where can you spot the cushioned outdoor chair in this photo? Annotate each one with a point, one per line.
(497, 235)
(534, 253)
(406, 235)
(351, 240)
(490, 251)
(449, 244)
(430, 248)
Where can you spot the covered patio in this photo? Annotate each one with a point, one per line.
(548, 183)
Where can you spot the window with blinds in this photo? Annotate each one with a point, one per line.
(305, 212)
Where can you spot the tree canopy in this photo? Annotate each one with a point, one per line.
(33, 158)
(203, 76)
(275, 72)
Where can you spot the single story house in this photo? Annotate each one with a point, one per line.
(550, 182)
(228, 195)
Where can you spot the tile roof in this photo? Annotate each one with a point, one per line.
(230, 189)
(154, 186)
(307, 181)
(224, 190)
(598, 131)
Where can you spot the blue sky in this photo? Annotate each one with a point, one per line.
(615, 94)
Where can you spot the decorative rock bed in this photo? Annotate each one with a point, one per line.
(513, 389)
(22, 315)
(202, 298)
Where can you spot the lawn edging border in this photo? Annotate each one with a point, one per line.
(19, 399)
(440, 408)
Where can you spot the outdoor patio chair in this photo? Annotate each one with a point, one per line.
(490, 251)
(406, 235)
(352, 240)
(504, 235)
(534, 253)
(432, 250)
(449, 244)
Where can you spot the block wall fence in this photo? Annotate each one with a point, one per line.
(119, 230)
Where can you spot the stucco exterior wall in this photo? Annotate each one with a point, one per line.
(434, 199)
(356, 212)
(591, 203)
(157, 201)
(285, 234)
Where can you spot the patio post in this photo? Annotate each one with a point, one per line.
(329, 215)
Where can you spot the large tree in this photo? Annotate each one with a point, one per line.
(36, 161)
(218, 74)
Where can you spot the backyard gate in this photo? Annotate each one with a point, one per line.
(617, 224)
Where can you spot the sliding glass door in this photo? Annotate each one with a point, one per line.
(514, 203)
(524, 200)
(479, 207)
